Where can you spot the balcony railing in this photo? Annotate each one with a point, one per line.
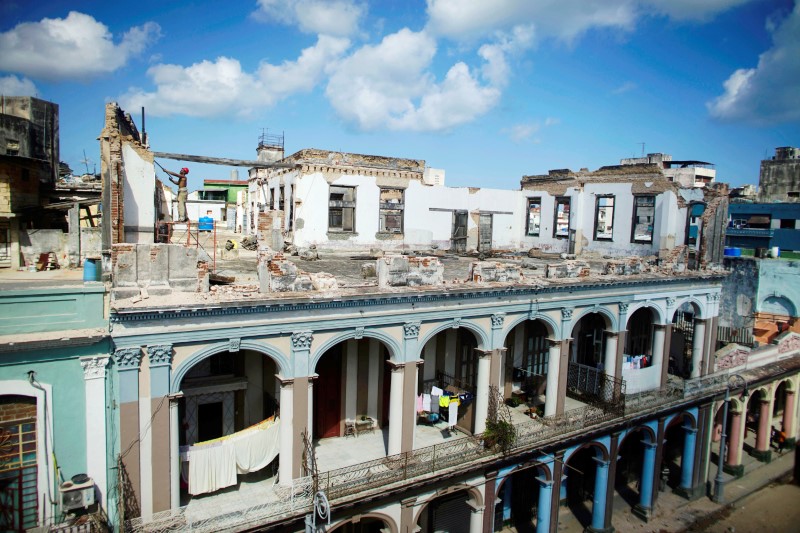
(295, 500)
(594, 386)
(750, 232)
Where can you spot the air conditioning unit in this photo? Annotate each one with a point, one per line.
(77, 493)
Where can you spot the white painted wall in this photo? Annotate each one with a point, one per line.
(139, 197)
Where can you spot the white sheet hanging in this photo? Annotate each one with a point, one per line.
(214, 465)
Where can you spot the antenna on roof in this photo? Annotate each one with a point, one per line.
(642, 148)
(86, 162)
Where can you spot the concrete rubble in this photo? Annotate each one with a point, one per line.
(404, 271)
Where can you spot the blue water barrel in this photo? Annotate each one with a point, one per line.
(91, 269)
(728, 252)
(737, 252)
(205, 224)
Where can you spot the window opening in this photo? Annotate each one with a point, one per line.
(534, 216)
(644, 208)
(604, 218)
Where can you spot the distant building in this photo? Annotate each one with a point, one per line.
(779, 180)
(764, 226)
(686, 173)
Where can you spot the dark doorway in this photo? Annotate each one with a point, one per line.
(328, 394)
(459, 235)
(209, 421)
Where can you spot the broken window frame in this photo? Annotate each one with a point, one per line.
(340, 207)
(390, 210)
(608, 211)
(565, 201)
(648, 238)
(533, 201)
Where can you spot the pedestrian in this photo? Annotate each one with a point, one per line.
(781, 438)
(183, 192)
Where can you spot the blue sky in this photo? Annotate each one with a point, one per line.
(488, 90)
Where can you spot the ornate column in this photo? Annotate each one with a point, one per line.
(610, 360)
(644, 508)
(408, 414)
(563, 364)
(762, 451)
(160, 370)
(127, 362)
(687, 461)
(94, 376)
(475, 517)
(482, 391)
(286, 467)
(734, 453)
(175, 454)
(659, 334)
(600, 493)
(299, 423)
(698, 345)
(396, 409)
(553, 368)
(543, 509)
(788, 419)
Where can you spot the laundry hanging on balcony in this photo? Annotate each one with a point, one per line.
(214, 464)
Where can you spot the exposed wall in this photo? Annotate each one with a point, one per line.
(778, 278)
(738, 296)
(778, 177)
(140, 186)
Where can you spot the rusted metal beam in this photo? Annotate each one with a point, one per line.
(221, 160)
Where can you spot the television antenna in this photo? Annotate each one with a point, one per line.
(86, 162)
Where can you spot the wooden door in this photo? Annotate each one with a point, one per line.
(328, 395)
(485, 233)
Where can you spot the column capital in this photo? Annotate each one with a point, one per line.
(128, 358)
(649, 445)
(601, 462)
(94, 367)
(566, 313)
(497, 320)
(483, 353)
(411, 330)
(395, 365)
(660, 326)
(623, 307)
(301, 340)
(160, 355)
(544, 482)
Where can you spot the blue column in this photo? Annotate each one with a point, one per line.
(648, 475)
(687, 461)
(543, 510)
(507, 499)
(600, 493)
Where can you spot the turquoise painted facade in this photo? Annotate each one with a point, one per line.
(49, 338)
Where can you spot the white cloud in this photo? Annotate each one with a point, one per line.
(561, 19)
(624, 88)
(390, 85)
(14, 86)
(770, 92)
(213, 88)
(526, 131)
(70, 48)
(338, 17)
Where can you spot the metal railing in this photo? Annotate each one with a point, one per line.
(594, 386)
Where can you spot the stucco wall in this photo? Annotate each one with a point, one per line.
(140, 186)
(778, 278)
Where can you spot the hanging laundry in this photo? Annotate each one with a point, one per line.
(452, 414)
(419, 404)
(426, 402)
(434, 403)
(444, 401)
(436, 391)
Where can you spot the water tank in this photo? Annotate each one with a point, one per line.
(205, 223)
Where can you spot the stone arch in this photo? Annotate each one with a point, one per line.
(473, 492)
(600, 448)
(480, 334)
(178, 373)
(644, 428)
(777, 304)
(553, 328)
(542, 467)
(699, 307)
(610, 319)
(668, 421)
(386, 519)
(395, 351)
(660, 313)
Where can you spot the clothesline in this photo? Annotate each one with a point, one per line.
(214, 464)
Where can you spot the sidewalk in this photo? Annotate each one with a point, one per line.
(674, 514)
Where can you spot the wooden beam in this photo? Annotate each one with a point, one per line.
(221, 161)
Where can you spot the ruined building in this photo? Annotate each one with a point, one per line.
(779, 179)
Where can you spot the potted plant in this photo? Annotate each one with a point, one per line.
(499, 434)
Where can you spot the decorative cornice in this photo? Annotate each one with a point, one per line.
(497, 320)
(298, 307)
(128, 358)
(94, 367)
(712, 297)
(301, 340)
(160, 355)
(566, 313)
(411, 330)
